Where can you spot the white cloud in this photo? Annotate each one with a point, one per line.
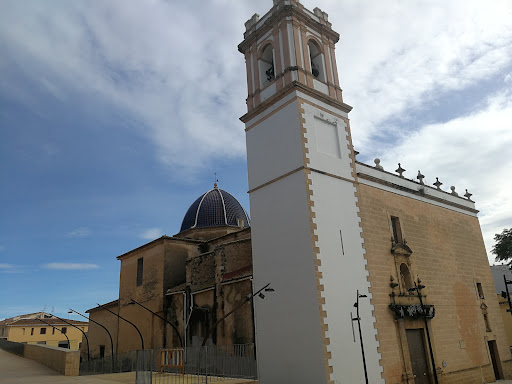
(79, 232)
(151, 234)
(174, 71)
(10, 268)
(70, 266)
(394, 59)
(467, 152)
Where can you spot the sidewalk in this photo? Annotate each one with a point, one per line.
(15, 369)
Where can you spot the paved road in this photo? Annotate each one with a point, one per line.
(15, 369)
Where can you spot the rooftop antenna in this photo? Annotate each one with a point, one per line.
(216, 180)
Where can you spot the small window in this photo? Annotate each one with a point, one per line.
(397, 231)
(480, 290)
(53, 331)
(102, 351)
(140, 271)
(405, 277)
(42, 331)
(23, 330)
(63, 344)
(79, 345)
(64, 329)
(32, 332)
(487, 324)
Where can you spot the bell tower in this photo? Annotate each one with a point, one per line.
(306, 235)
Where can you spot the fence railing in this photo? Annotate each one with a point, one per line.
(122, 362)
(181, 366)
(13, 347)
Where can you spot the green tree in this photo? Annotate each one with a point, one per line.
(503, 247)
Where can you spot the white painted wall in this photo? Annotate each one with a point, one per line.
(319, 86)
(327, 142)
(343, 271)
(274, 146)
(288, 334)
(268, 91)
(341, 251)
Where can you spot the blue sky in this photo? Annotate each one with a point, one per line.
(114, 117)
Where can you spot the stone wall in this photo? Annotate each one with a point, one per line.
(449, 257)
(61, 360)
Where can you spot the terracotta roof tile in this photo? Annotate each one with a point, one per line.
(53, 321)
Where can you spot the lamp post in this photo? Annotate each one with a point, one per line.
(129, 322)
(109, 335)
(418, 287)
(358, 319)
(249, 297)
(149, 310)
(86, 338)
(60, 330)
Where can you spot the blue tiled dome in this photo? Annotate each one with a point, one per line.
(213, 209)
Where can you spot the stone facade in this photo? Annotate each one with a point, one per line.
(446, 252)
(191, 280)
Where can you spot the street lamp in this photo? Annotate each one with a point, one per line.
(417, 288)
(358, 319)
(149, 310)
(86, 338)
(60, 330)
(507, 282)
(129, 322)
(249, 297)
(109, 335)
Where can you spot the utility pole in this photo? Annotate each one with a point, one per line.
(507, 282)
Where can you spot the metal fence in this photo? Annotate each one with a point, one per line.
(122, 362)
(11, 346)
(198, 365)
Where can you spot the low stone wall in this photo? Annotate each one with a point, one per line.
(61, 360)
(474, 375)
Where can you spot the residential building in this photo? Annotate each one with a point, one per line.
(43, 328)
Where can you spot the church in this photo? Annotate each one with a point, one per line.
(377, 277)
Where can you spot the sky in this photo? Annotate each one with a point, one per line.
(115, 116)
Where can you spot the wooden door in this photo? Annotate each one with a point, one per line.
(495, 360)
(418, 355)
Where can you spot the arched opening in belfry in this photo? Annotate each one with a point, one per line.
(266, 66)
(317, 60)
